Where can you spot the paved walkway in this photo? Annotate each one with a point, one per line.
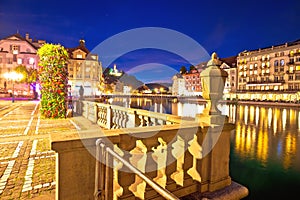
(27, 164)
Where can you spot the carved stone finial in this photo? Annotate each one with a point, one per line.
(214, 60)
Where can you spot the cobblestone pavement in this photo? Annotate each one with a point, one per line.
(27, 164)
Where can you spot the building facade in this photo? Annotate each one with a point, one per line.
(229, 65)
(84, 70)
(178, 85)
(272, 69)
(16, 50)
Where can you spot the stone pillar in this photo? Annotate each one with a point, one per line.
(216, 134)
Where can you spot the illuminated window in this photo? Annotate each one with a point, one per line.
(19, 61)
(291, 53)
(281, 62)
(267, 71)
(251, 72)
(31, 61)
(255, 72)
(79, 56)
(298, 68)
(251, 66)
(255, 58)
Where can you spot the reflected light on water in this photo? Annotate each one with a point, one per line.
(246, 115)
(269, 117)
(299, 120)
(284, 119)
(256, 115)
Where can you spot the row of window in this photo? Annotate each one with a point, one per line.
(295, 86)
(267, 57)
(17, 60)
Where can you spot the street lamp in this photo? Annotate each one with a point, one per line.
(14, 77)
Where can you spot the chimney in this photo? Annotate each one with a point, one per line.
(27, 36)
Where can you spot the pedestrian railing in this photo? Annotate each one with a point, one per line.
(105, 156)
(115, 117)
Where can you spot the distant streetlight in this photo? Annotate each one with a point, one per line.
(14, 76)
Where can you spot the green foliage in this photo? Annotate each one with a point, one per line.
(183, 70)
(192, 67)
(53, 76)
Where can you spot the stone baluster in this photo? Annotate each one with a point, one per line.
(125, 177)
(131, 118)
(109, 117)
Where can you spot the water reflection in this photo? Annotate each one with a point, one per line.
(273, 137)
(263, 133)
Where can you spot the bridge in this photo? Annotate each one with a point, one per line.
(126, 153)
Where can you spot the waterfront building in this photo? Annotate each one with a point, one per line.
(275, 68)
(84, 70)
(16, 50)
(178, 85)
(229, 65)
(193, 81)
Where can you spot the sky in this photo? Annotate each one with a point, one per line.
(226, 27)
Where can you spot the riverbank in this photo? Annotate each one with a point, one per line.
(243, 102)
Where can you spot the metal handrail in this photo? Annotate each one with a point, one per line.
(162, 191)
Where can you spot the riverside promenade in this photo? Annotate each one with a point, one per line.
(27, 164)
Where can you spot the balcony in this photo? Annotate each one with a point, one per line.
(269, 82)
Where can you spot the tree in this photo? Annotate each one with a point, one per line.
(53, 76)
(192, 67)
(30, 77)
(183, 70)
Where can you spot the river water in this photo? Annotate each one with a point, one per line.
(265, 145)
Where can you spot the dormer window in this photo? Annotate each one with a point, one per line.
(79, 56)
(15, 49)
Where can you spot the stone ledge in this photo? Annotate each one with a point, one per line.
(234, 191)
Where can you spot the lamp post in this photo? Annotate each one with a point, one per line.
(13, 76)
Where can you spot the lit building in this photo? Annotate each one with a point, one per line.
(16, 50)
(193, 81)
(275, 68)
(229, 65)
(178, 86)
(84, 70)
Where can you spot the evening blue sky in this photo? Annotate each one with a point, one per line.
(227, 27)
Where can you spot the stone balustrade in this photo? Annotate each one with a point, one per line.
(115, 117)
(183, 157)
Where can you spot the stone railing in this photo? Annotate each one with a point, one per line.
(177, 157)
(115, 117)
(173, 156)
